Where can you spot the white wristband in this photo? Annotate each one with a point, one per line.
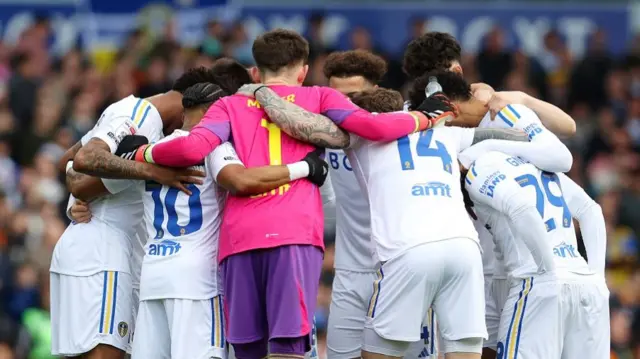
(69, 166)
(298, 170)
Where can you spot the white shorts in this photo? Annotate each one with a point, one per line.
(180, 328)
(446, 274)
(350, 298)
(540, 311)
(495, 294)
(135, 301)
(91, 310)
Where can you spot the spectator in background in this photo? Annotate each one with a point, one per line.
(494, 62)
(239, 45)
(314, 35)
(590, 73)
(212, 43)
(157, 79)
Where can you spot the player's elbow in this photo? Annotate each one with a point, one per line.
(565, 159)
(82, 161)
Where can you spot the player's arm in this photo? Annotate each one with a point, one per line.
(591, 220)
(544, 149)
(374, 127)
(82, 186)
(508, 199)
(68, 156)
(231, 174)
(297, 122)
(190, 150)
(97, 158)
(551, 116)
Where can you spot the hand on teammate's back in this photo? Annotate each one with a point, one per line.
(438, 109)
(501, 99)
(80, 212)
(249, 90)
(179, 178)
(318, 168)
(129, 145)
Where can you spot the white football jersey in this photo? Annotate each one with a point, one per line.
(354, 251)
(180, 259)
(499, 184)
(413, 188)
(120, 211)
(544, 150)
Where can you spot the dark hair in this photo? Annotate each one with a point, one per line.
(279, 48)
(429, 52)
(454, 86)
(201, 94)
(379, 100)
(355, 63)
(230, 75)
(191, 77)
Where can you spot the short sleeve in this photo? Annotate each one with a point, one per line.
(112, 131)
(221, 157)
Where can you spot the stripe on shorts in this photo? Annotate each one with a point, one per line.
(371, 312)
(515, 327)
(109, 299)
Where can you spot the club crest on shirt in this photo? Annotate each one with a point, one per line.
(123, 328)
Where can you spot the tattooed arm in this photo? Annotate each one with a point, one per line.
(68, 156)
(300, 123)
(95, 158)
(481, 134)
(83, 186)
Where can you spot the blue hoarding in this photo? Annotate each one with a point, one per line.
(525, 25)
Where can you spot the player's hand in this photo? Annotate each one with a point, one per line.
(318, 168)
(482, 92)
(129, 146)
(438, 109)
(501, 99)
(249, 90)
(179, 178)
(80, 212)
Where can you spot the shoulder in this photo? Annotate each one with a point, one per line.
(511, 115)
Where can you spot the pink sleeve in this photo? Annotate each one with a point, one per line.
(213, 129)
(380, 127)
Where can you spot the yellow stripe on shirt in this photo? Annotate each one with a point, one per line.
(141, 113)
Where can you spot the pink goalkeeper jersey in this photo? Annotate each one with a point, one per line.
(291, 214)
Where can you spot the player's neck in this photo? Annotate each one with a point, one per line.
(187, 126)
(473, 111)
(281, 80)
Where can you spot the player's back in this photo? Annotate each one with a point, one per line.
(291, 214)
(182, 238)
(115, 217)
(533, 187)
(413, 187)
(353, 221)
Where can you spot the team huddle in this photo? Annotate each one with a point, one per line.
(198, 216)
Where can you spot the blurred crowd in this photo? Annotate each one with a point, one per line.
(48, 103)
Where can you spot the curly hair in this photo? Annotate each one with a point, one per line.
(429, 52)
(192, 77)
(279, 48)
(355, 63)
(380, 100)
(454, 86)
(230, 75)
(201, 94)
